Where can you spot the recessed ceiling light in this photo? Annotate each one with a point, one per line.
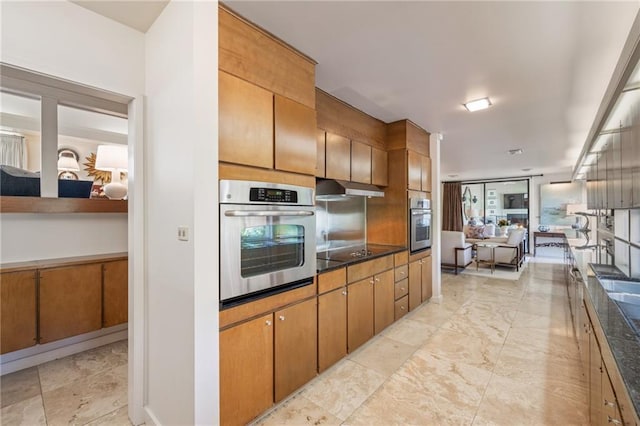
(515, 151)
(478, 104)
(452, 176)
(527, 169)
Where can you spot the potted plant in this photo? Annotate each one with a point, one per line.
(504, 225)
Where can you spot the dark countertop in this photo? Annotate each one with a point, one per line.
(325, 265)
(621, 337)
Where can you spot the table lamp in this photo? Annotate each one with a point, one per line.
(114, 159)
(68, 164)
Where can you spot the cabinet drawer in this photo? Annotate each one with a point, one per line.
(332, 280)
(366, 269)
(401, 258)
(401, 288)
(401, 273)
(402, 307)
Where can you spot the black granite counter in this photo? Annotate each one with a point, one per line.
(621, 337)
(326, 265)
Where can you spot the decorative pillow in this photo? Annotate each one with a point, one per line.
(476, 232)
(515, 237)
(489, 230)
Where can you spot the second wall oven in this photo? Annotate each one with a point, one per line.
(419, 224)
(267, 239)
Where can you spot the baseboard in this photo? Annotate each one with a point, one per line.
(150, 418)
(437, 299)
(39, 354)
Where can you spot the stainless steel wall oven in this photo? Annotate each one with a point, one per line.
(267, 239)
(419, 224)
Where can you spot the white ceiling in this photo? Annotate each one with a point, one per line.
(545, 66)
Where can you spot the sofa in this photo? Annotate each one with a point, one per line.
(455, 251)
(23, 183)
(482, 233)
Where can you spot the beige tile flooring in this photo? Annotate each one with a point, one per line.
(493, 352)
(89, 388)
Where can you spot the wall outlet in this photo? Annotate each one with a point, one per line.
(183, 233)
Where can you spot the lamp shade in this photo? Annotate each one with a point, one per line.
(111, 157)
(68, 163)
(473, 213)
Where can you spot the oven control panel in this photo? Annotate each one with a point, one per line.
(272, 195)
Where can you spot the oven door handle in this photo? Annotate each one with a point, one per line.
(263, 213)
(415, 212)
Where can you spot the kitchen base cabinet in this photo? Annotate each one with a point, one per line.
(70, 301)
(115, 293)
(401, 307)
(425, 281)
(359, 313)
(415, 284)
(246, 370)
(383, 296)
(332, 327)
(17, 310)
(296, 350)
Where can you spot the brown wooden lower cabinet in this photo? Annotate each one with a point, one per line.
(332, 327)
(359, 313)
(401, 307)
(17, 310)
(296, 350)
(415, 284)
(427, 288)
(115, 293)
(384, 303)
(246, 370)
(70, 301)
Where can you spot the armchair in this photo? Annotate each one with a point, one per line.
(455, 251)
(510, 253)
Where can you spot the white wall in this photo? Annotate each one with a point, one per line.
(181, 159)
(51, 236)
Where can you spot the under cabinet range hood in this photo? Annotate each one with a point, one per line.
(330, 189)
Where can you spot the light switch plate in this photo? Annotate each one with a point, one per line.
(183, 233)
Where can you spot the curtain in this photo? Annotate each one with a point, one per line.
(452, 207)
(12, 150)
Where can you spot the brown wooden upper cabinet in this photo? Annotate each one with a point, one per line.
(17, 310)
(379, 167)
(338, 157)
(245, 128)
(320, 152)
(70, 301)
(360, 162)
(418, 172)
(295, 136)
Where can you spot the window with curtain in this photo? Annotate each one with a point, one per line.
(12, 150)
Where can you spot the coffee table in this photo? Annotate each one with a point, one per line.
(492, 262)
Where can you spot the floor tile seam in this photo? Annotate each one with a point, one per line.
(76, 379)
(102, 416)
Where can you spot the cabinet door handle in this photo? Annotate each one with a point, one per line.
(612, 420)
(608, 403)
(344, 292)
(371, 280)
(401, 272)
(268, 322)
(402, 307)
(402, 289)
(377, 279)
(281, 317)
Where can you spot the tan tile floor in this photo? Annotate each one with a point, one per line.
(85, 388)
(493, 352)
